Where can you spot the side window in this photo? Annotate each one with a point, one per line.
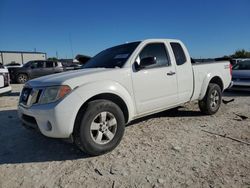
(49, 64)
(178, 53)
(243, 65)
(157, 50)
(36, 64)
(39, 64)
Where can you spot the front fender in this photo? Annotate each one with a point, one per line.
(89, 90)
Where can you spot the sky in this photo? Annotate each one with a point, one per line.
(209, 28)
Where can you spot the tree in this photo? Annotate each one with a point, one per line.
(52, 59)
(241, 54)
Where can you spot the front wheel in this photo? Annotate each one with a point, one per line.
(22, 78)
(101, 128)
(211, 102)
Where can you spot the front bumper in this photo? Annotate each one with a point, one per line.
(54, 120)
(242, 83)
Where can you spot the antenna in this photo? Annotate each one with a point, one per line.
(70, 40)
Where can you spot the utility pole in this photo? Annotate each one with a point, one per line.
(71, 46)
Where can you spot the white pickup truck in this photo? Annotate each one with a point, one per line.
(4, 80)
(118, 85)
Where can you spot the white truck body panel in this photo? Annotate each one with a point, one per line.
(1, 81)
(144, 92)
(3, 87)
(203, 73)
(8, 57)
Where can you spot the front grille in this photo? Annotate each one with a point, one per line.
(25, 95)
(30, 96)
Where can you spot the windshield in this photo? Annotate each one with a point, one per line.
(112, 57)
(243, 65)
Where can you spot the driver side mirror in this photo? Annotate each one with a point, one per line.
(146, 62)
(32, 66)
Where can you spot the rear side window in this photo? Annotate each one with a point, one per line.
(178, 53)
(157, 50)
(49, 64)
(37, 64)
(243, 65)
(40, 64)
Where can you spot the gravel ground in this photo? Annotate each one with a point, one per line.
(169, 149)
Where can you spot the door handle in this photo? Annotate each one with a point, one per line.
(171, 73)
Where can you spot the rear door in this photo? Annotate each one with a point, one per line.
(49, 68)
(184, 72)
(155, 86)
(36, 69)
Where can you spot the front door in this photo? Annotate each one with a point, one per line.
(155, 86)
(49, 68)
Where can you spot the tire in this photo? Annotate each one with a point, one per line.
(211, 102)
(100, 129)
(22, 78)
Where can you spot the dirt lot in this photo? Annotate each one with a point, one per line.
(169, 149)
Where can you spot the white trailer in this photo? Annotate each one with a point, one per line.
(7, 57)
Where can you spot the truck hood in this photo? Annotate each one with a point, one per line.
(71, 78)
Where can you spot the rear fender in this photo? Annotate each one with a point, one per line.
(206, 82)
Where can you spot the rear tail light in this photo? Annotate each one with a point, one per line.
(6, 79)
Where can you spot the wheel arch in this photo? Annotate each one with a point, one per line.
(217, 80)
(210, 79)
(105, 96)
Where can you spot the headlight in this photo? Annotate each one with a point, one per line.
(54, 93)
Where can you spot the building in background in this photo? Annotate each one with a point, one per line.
(20, 57)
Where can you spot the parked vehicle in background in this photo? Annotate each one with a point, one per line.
(13, 65)
(237, 60)
(241, 75)
(34, 69)
(4, 80)
(73, 66)
(116, 86)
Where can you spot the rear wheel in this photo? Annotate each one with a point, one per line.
(101, 128)
(210, 104)
(22, 78)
